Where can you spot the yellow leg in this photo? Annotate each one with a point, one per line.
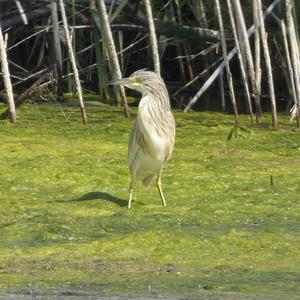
(130, 194)
(158, 183)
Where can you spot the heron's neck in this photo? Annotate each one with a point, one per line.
(153, 111)
(156, 102)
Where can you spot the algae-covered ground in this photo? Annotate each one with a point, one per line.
(226, 233)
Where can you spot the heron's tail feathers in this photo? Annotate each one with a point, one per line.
(147, 180)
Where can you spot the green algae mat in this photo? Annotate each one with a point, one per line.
(229, 231)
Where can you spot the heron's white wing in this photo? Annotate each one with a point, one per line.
(140, 150)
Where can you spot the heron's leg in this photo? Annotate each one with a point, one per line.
(131, 187)
(158, 183)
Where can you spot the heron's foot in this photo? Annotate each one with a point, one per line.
(158, 183)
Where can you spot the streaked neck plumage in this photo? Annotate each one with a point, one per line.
(153, 108)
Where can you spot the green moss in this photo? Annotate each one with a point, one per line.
(65, 228)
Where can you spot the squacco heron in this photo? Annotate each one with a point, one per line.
(152, 137)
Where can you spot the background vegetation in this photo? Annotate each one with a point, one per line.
(188, 40)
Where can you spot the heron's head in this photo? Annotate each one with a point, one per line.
(142, 81)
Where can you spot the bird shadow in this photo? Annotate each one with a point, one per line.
(97, 196)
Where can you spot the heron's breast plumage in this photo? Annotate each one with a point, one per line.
(152, 139)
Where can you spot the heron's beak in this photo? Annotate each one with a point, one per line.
(122, 81)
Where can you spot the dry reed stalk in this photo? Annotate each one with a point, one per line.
(57, 51)
(247, 49)
(295, 58)
(6, 79)
(226, 61)
(289, 63)
(264, 39)
(112, 53)
(240, 57)
(257, 58)
(153, 38)
(73, 61)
